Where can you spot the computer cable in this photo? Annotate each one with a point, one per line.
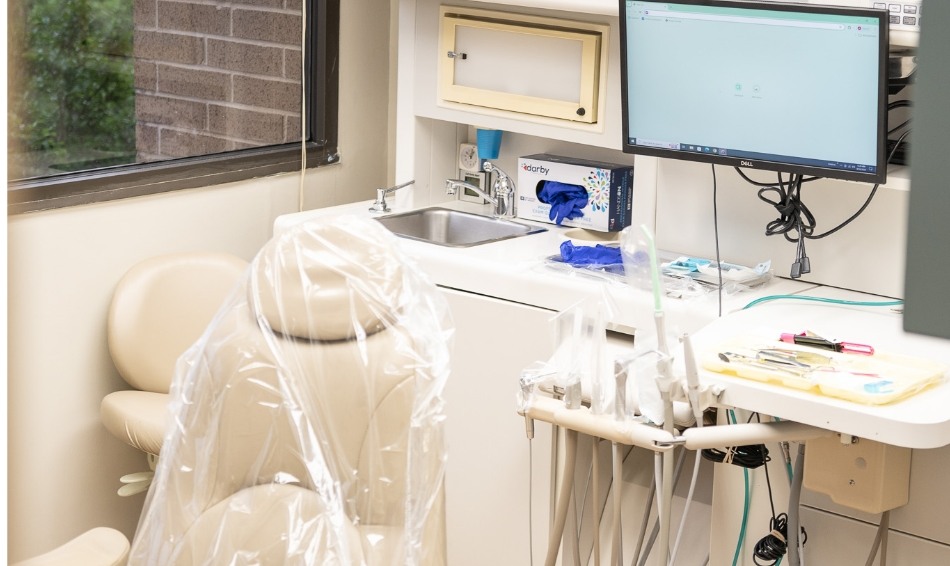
(781, 181)
(770, 549)
(796, 223)
(890, 156)
(898, 127)
(716, 233)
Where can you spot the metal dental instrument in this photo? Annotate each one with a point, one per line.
(732, 357)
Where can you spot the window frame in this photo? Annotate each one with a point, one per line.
(321, 84)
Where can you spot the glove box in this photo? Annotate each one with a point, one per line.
(575, 192)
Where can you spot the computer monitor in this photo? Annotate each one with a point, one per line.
(794, 88)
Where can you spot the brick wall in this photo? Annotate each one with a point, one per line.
(214, 76)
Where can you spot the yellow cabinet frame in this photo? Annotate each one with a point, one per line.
(588, 40)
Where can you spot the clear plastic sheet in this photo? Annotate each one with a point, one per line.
(308, 420)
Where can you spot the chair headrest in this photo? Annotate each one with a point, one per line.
(328, 280)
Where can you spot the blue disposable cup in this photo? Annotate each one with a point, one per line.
(489, 143)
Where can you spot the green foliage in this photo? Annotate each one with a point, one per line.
(71, 76)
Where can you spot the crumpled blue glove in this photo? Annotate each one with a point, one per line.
(590, 255)
(566, 200)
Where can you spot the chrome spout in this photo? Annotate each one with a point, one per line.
(453, 185)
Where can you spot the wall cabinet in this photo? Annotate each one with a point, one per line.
(531, 65)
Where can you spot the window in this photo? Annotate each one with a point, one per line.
(116, 98)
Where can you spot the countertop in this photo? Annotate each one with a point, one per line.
(515, 270)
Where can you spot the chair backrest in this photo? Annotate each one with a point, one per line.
(160, 307)
(310, 422)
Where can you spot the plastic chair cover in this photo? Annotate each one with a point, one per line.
(308, 419)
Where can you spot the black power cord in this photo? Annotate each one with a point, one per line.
(751, 456)
(773, 546)
(796, 223)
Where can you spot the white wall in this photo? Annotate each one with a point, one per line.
(63, 467)
(676, 198)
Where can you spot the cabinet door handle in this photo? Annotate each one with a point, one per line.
(457, 55)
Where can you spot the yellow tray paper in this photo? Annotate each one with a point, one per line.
(873, 380)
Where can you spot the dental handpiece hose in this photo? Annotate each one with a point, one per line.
(664, 384)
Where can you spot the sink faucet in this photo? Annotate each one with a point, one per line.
(501, 194)
(503, 189)
(380, 204)
(453, 185)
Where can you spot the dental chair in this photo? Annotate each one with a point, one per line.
(308, 423)
(159, 308)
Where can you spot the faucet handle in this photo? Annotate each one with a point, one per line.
(502, 179)
(503, 188)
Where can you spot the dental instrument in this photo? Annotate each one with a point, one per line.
(664, 383)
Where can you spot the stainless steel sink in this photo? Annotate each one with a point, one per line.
(454, 228)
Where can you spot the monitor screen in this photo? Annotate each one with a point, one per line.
(784, 87)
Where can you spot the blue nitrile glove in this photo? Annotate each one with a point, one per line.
(566, 200)
(590, 255)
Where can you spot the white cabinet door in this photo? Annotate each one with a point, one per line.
(487, 473)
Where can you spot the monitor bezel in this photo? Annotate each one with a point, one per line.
(879, 176)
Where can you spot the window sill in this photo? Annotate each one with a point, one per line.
(160, 177)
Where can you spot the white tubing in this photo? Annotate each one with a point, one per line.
(750, 433)
(617, 555)
(595, 495)
(795, 557)
(603, 426)
(689, 499)
(666, 508)
(564, 497)
(645, 521)
(647, 436)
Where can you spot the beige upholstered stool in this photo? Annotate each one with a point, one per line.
(101, 546)
(160, 307)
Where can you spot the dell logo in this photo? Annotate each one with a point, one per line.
(746, 164)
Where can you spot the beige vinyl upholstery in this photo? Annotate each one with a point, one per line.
(160, 307)
(308, 427)
(101, 546)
